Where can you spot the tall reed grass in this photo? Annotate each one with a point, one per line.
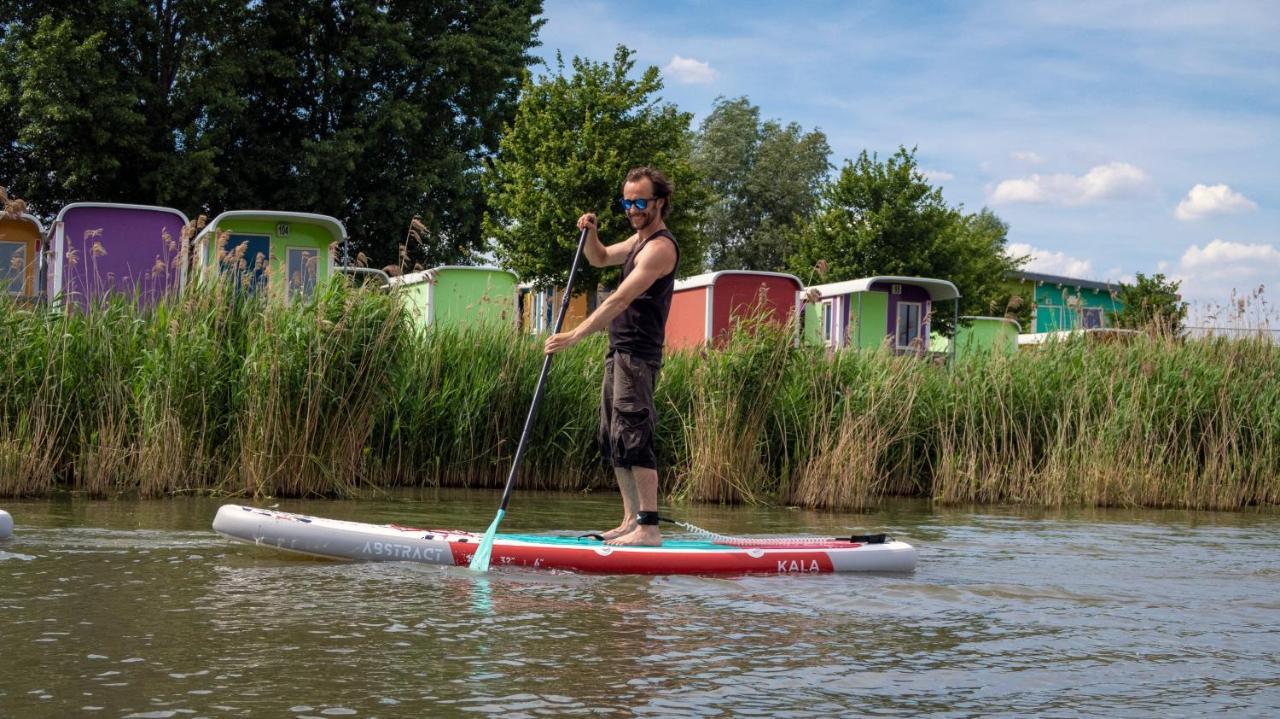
(216, 390)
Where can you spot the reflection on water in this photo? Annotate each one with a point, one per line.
(138, 609)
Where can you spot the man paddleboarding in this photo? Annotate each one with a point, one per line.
(636, 315)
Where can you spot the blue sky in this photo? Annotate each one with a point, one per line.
(1113, 137)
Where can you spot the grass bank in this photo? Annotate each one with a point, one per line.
(215, 391)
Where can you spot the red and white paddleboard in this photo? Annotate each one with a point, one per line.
(338, 539)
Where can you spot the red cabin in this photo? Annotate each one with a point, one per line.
(703, 307)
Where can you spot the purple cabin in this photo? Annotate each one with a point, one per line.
(874, 312)
(100, 248)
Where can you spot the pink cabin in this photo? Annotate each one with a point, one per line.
(704, 307)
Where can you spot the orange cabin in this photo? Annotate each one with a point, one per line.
(20, 243)
(538, 309)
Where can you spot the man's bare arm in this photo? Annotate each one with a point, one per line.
(596, 252)
(657, 259)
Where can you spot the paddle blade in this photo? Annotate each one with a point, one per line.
(480, 560)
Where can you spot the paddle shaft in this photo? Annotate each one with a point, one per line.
(542, 378)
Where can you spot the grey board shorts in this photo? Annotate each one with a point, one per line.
(628, 419)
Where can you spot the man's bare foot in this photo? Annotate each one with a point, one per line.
(643, 536)
(619, 531)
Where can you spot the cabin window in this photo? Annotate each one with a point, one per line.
(13, 267)
(828, 322)
(244, 259)
(1091, 318)
(908, 330)
(303, 268)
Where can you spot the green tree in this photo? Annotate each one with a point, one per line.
(89, 96)
(1151, 302)
(373, 111)
(376, 112)
(764, 180)
(573, 139)
(1018, 305)
(883, 218)
(978, 264)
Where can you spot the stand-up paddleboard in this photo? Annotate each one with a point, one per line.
(338, 539)
(6, 524)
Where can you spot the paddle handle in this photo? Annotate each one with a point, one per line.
(542, 378)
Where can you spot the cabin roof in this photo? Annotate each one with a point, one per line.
(334, 226)
(117, 206)
(709, 278)
(937, 289)
(414, 278)
(27, 217)
(1039, 338)
(1007, 320)
(1061, 280)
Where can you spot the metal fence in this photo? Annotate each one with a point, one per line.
(1233, 333)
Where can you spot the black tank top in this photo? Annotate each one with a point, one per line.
(641, 328)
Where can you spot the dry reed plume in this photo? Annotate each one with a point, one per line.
(220, 389)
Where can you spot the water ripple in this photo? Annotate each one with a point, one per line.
(1009, 614)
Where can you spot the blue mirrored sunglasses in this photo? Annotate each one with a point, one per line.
(641, 203)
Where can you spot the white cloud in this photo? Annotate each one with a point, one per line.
(1118, 275)
(1028, 157)
(1103, 182)
(689, 71)
(1205, 200)
(1211, 273)
(1051, 263)
(937, 175)
(1222, 256)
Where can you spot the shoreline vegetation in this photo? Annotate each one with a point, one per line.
(216, 391)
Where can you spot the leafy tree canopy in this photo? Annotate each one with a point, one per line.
(574, 137)
(1151, 302)
(373, 111)
(764, 180)
(883, 218)
(89, 95)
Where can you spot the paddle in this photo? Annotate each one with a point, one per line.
(480, 560)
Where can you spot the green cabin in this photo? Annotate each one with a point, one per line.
(980, 334)
(1065, 303)
(875, 312)
(284, 253)
(458, 296)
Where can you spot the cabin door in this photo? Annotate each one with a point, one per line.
(907, 333)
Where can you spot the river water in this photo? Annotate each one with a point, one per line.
(137, 609)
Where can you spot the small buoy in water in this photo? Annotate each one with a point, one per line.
(6, 524)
